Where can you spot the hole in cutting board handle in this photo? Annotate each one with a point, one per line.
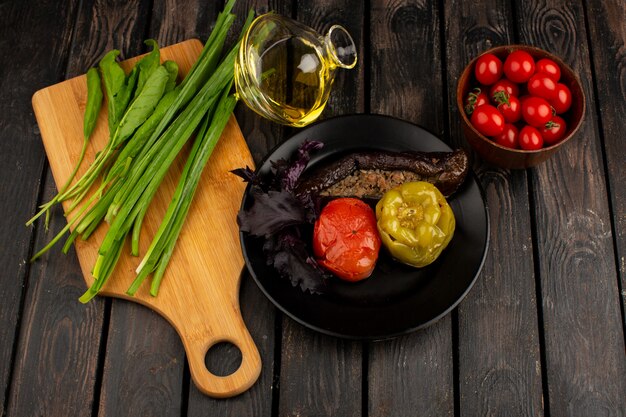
(223, 358)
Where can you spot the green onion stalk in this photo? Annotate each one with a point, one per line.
(149, 132)
(160, 251)
(146, 175)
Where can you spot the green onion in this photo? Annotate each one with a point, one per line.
(147, 134)
(148, 171)
(187, 90)
(162, 246)
(143, 190)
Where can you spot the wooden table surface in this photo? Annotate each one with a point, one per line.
(540, 334)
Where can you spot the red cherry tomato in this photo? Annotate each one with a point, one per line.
(541, 85)
(519, 66)
(554, 130)
(562, 99)
(504, 85)
(508, 137)
(548, 67)
(346, 240)
(488, 120)
(536, 111)
(530, 139)
(510, 107)
(488, 69)
(474, 99)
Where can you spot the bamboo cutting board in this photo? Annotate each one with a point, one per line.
(199, 294)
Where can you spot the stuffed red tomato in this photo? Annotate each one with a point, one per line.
(346, 240)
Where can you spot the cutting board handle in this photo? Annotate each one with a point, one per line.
(229, 329)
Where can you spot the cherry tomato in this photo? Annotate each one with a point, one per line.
(474, 99)
(488, 69)
(346, 240)
(519, 66)
(548, 67)
(504, 85)
(554, 130)
(488, 120)
(541, 85)
(562, 99)
(510, 107)
(536, 111)
(508, 137)
(530, 139)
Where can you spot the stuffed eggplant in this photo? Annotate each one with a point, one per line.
(370, 174)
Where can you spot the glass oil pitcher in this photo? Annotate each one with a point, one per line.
(285, 70)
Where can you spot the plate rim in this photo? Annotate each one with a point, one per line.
(344, 336)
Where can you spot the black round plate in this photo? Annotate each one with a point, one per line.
(396, 299)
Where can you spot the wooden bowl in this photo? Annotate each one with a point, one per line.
(502, 156)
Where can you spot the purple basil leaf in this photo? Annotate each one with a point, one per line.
(270, 212)
(289, 177)
(311, 207)
(298, 271)
(292, 261)
(248, 175)
(279, 167)
(279, 215)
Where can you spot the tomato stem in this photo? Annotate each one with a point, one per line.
(501, 97)
(472, 98)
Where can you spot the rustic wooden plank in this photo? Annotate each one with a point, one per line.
(406, 71)
(586, 371)
(499, 357)
(40, 60)
(258, 313)
(321, 375)
(143, 368)
(143, 358)
(607, 33)
(175, 21)
(57, 359)
(144, 361)
(411, 375)
(116, 26)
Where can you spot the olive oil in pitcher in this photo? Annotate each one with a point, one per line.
(285, 70)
